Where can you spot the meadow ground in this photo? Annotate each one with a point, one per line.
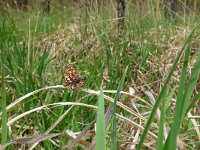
(151, 71)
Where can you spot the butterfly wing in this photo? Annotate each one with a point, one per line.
(71, 75)
(72, 79)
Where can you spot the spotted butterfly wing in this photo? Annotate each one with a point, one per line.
(72, 79)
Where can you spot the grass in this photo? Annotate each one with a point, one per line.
(34, 54)
(4, 127)
(179, 97)
(100, 133)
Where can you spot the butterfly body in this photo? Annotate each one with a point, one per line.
(72, 79)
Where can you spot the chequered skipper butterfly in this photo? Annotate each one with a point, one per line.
(72, 79)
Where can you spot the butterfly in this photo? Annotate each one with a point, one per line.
(72, 79)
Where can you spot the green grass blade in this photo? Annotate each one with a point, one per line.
(3, 107)
(193, 102)
(169, 98)
(159, 144)
(113, 138)
(43, 62)
(161, 94)
(100, 135)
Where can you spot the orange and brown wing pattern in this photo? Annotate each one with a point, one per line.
(71, 75)
(72, 79)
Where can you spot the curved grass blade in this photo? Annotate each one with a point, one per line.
(161, 94)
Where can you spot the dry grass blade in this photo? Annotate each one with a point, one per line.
(30, 94)
(136, 125)
(119, 103)
(140, 128)
(77, 104)
(68, 103)
(85, 90)
(80, 136)
(45, 106)
(31, 139)
(195, 124)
